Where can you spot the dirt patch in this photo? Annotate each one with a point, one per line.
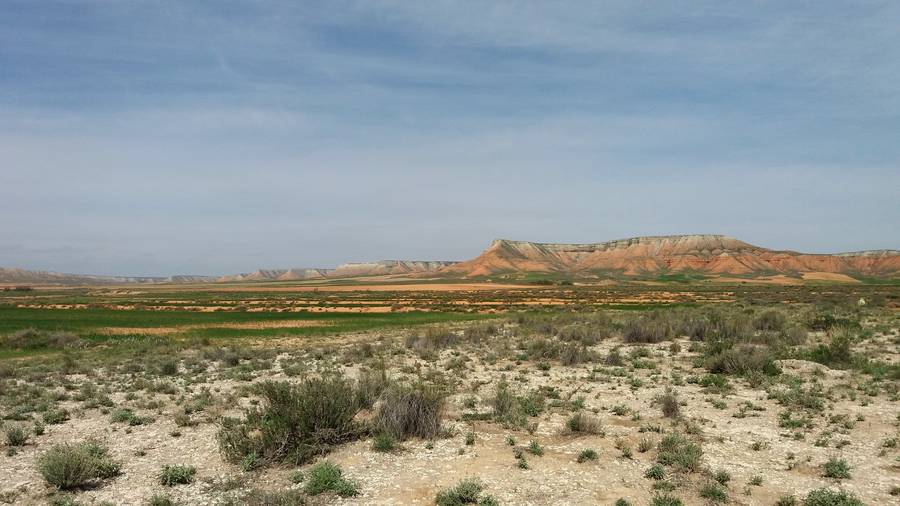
(829, 276)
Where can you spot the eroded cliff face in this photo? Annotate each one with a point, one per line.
(709, 254)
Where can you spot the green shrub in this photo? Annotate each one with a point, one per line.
(410, 411)
(69, 466)
(838, 352)
(256, 497)
(668, 403)
(294, 423)
(722, 477)
(771, 320)
(63, 500)
(467, 491)
(127, 416)
(836, 468)
(786, 500)
(678, 452)
(652, 328)
(827, 497)
(743, 360)
(168, 367)
(586, 455)
(55, 416)
(172, 475)
(16, 435)
(325, 477)
(714, 492)
(160, 500)
(655, 472)
(584, 423)
(666, 500)
(384, 442)
(512, 410)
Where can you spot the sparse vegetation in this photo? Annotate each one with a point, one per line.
(177, 474)
(446, 391)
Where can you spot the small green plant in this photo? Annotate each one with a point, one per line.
(296, 476)
(534, 448)
(677, 451)
(467, 491)
(160, 500)
(714, 492)
(384, 442)
(786, 500)
(756, 480)
(665, 500)
(836, 468)
(16, 435)
(325, 476)
(655, 472)
(127, 416)
(470, 438)
(668, 403)
(584, 423)
(178, 474)
(586, 455)
(722, 477)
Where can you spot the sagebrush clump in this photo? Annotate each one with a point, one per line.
(293, 424)
(68, 466)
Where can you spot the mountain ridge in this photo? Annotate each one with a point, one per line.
(708, 254)
(712, 254)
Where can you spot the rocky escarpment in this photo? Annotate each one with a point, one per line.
(706, 254)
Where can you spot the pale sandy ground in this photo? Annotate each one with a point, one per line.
(414, 475)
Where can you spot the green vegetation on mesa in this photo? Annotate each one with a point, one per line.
(88, 323)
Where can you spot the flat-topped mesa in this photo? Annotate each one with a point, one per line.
(876, 253)
(647, 255)
(294, 274)
(648, 245)
(388, 267)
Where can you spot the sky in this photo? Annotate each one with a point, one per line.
(221, 136)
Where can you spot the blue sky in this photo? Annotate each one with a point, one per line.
(165, 137)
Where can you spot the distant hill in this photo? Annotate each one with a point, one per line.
(641, 256)
(12, 276)
(708, 255)
(389, 267)
(380, 268)
(278, 275)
